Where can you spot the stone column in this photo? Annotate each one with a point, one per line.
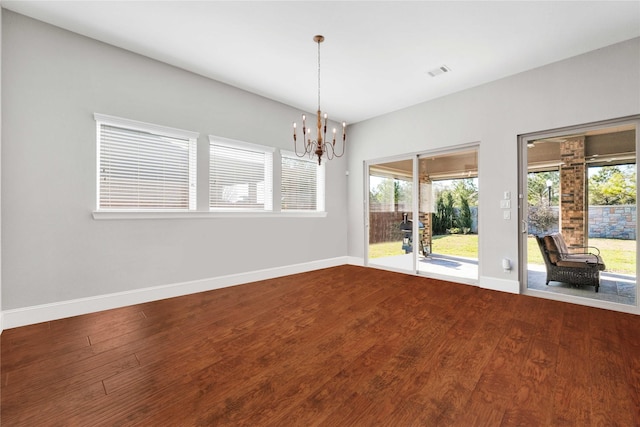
(573, 192)
(425, 211)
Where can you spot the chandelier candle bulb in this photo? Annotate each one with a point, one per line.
(325, 124)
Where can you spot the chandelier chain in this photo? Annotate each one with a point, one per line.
(318, 75)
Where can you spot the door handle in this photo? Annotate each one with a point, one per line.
(525, 226)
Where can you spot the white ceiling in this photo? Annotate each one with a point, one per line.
(376, 54)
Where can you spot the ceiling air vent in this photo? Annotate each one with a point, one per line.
(439, 70)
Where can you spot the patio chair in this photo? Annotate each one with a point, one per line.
(576, 265)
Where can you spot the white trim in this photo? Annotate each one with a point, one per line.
(233, 143)
(117, 215)
(294, 155)
(354, 260)
(47, 312)
(145, 127)
(449, 278)
(504, 285)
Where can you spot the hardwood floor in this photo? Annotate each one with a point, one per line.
(346, 346)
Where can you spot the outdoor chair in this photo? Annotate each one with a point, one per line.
(575, 265)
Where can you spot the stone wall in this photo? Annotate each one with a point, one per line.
(613, 222)
(606, 222)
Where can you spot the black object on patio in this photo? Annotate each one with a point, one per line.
(407, 240)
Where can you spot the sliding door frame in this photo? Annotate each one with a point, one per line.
(523, 210)
(415, 157)
(367, 164)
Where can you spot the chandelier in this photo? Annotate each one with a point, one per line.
(319, 146)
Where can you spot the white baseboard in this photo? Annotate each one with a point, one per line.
(504, 285)
(353, 260)
(46, 312)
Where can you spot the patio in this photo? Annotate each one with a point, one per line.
(464, 270)
(617, 288)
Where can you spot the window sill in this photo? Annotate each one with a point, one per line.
(115, 215)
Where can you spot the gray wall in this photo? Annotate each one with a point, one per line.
(52, 249)
(1, 315)
(599, 85)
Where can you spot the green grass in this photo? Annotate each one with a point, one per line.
(464, 245)
(618, 255)
(380, 250)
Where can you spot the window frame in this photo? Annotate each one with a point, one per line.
(163, 131)
(320, 183)
(267, 168)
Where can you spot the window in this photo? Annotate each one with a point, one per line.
(302, 183)
(240, 175)
(144, 166)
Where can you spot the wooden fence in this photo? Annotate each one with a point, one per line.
(385, 227)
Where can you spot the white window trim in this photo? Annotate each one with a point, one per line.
(116, 215)
(232, 143)
(218, 140)
(104, 119)
(145, 127)
(320, 191)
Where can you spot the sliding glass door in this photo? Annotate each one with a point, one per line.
(448, 209)
(390, 215)
(422, 214)
(580, 183)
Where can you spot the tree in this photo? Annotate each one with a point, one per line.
(453, 201)
(541, 197)
(444, 218)
(403, 195)
(538, 189)
(440, 216)
(613, 185)
(382, 195)
(465, 189)
(465, 221)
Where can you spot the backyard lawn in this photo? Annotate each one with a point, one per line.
(618, 255)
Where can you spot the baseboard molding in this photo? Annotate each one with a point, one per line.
(354, 260)
(503, 285)
(46, 312)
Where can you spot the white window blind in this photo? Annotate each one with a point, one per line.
(240, 175)
(144, 166)
(302, 183)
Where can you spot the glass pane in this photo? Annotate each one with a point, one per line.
(448, 209)
(390, 215)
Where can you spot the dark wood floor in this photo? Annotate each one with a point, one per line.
(345, 346)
